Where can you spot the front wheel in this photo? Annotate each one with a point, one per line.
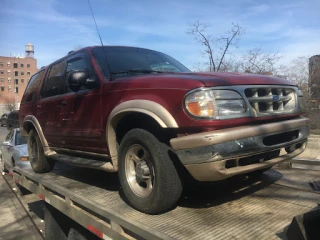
(39, 162)
(148, 178)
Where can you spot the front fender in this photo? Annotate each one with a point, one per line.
(153, 109)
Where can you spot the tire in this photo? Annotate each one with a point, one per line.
(39, 162)
(150, 182)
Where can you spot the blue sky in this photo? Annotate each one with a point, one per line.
(58, 26)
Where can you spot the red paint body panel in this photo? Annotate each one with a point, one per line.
(82, 121)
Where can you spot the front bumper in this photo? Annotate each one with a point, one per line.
(216, 155)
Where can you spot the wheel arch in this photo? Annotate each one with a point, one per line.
(31, 122)
(151, 109)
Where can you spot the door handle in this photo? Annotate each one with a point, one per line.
(64, 103)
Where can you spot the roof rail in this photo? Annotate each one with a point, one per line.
(71, 52)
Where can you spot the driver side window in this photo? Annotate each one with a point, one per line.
(78, 63)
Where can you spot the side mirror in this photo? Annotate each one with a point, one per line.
(77, 79)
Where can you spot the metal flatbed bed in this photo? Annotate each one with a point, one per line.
(248, 208)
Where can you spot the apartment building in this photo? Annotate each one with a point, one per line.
(15, 73)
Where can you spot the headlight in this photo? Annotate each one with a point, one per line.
(215, 104)
(24, 158)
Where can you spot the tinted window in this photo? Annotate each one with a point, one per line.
(54, 80)
(19, 140)
(75, 64)
(126, 58)
(33, 85)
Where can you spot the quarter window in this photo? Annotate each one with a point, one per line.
(33, 85)
(9, 136)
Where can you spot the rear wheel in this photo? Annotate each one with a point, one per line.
(39, 162)
(148, 178)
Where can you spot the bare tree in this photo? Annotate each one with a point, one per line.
(298, 72)
(257, 61)
(215, 49)
(9, 103)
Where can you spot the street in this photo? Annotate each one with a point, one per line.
(17, 213)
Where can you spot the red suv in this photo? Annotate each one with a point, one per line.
(145, 115)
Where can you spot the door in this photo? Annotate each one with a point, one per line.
(49, 106)
(80, 116)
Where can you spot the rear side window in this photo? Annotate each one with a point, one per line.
(52, 85)
(31, 91)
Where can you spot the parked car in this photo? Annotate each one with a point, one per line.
(3, 120)
(13, 120)
(145, 115)
(14, 151)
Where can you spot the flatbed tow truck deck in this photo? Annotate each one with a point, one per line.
(248, 208)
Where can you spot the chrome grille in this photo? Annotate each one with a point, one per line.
(271, 99)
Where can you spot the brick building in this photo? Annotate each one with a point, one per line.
(15, 72)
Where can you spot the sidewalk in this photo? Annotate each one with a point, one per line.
(14, 221)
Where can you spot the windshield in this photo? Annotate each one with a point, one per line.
(128, 60)
(20, 139)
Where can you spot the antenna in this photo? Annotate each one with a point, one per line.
(104, 52)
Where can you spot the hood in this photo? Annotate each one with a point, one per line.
(196, 79)
(212, 79)
(23, 149)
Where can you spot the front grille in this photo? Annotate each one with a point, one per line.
(271, 99)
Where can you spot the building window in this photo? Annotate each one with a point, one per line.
(16, 73)
(16, 81)
(8, 63)
(28, 65)
(16, 90)
(2, 79)
(15, 65)
(9, 88)
(9, 71)
(22, 65)
(1, 72)
(22, 73)
(22, 80)
(2, 88)
(1, 64)
(9, 79)
(28, 73)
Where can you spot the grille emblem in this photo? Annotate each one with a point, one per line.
(275, 97)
